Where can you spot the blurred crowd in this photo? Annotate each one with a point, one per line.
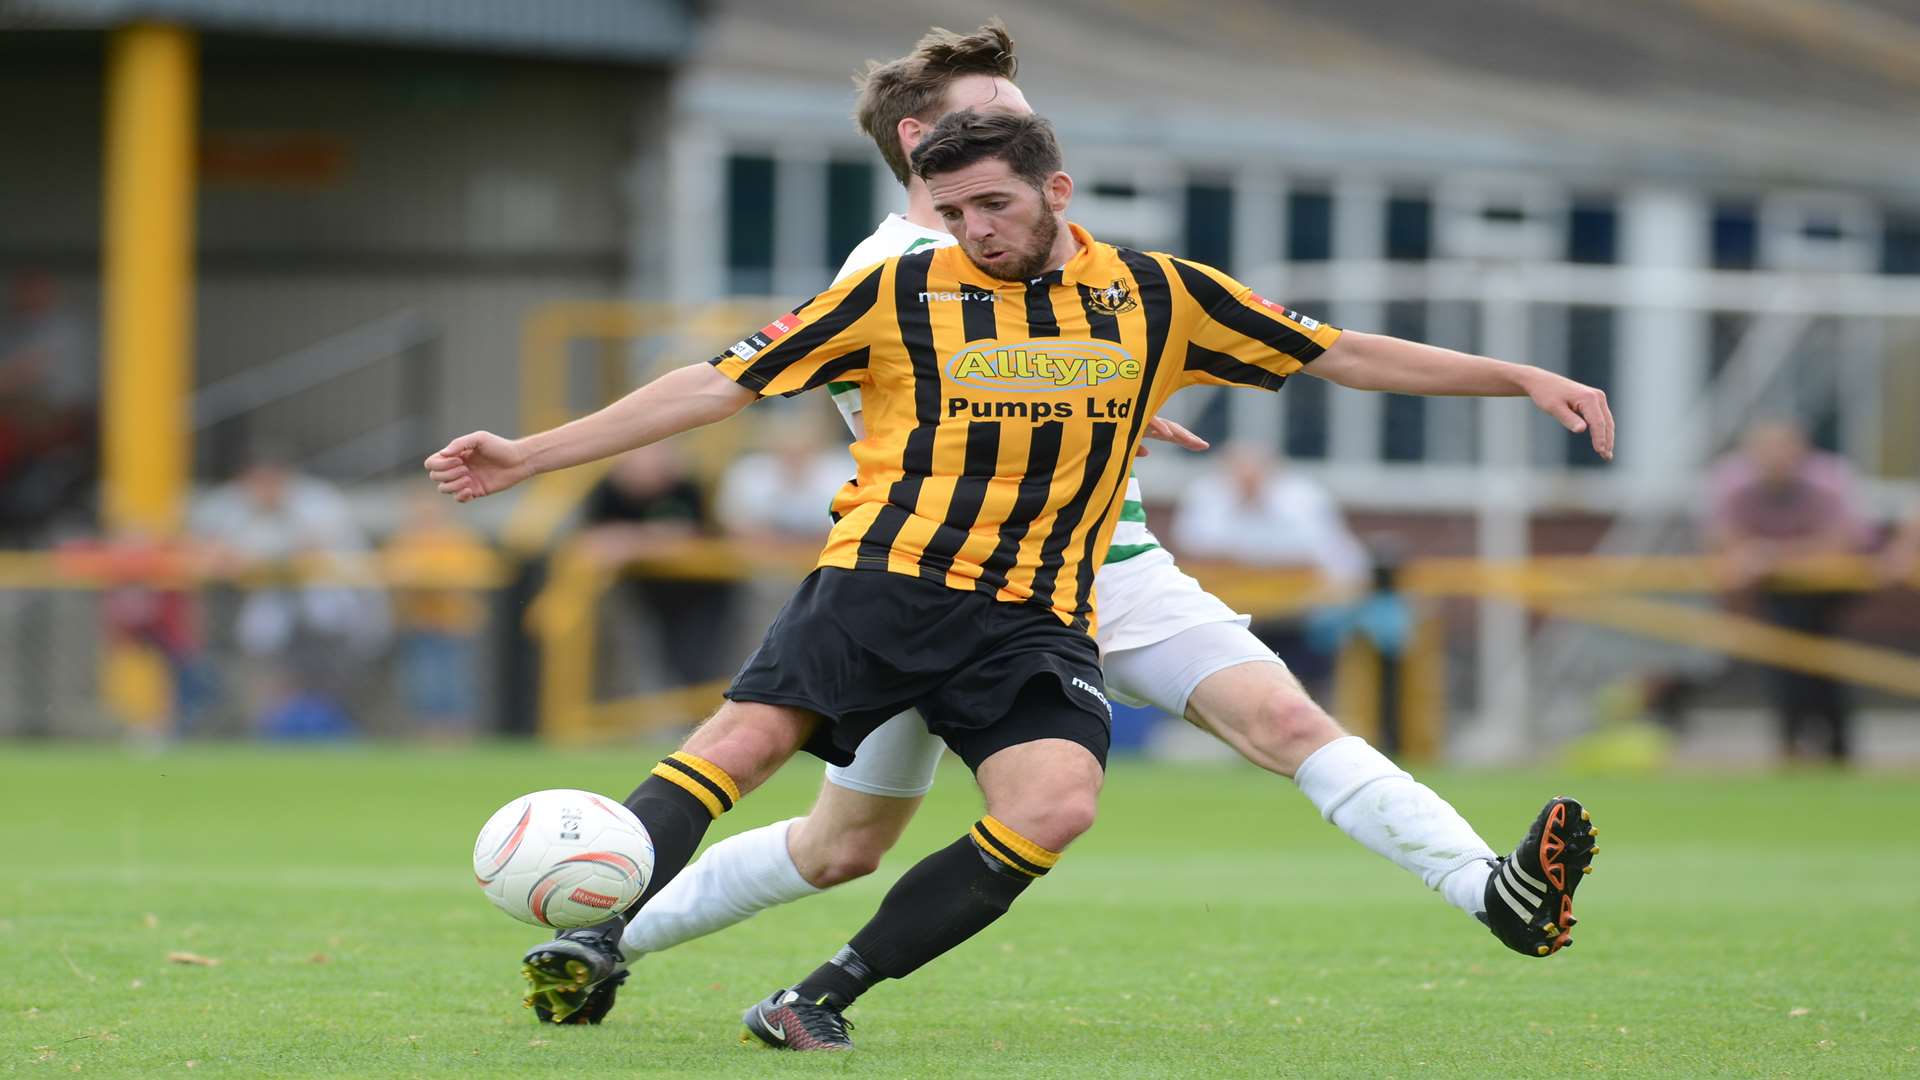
(49, 386)
(303, 646)
(304, 637)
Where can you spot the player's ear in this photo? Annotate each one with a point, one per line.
(1058, 191)
(910, 131)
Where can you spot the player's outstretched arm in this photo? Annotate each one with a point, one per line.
(1377, 362)
(483, 463)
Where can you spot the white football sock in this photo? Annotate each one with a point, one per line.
(733, 880)
(1389, 812)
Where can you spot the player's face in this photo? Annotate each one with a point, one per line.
(1004, 224)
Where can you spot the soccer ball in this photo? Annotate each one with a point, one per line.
(563, 858)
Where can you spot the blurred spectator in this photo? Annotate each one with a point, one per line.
(1902, 556)
(156, 676)
(1253, 510)
(782, 494)
(1774, 500)
(309, 643)
(648, 505)
(437, 626)
(49, 389)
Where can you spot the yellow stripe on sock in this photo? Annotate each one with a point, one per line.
(997, 839)
(1021, 846)
(691, 786)
(709, 770)
(981, 841)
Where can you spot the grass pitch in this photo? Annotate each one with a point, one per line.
(1211, 924)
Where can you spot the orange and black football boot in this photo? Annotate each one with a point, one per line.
(1530, 894)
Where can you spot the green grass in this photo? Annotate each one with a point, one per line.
(1740, 926)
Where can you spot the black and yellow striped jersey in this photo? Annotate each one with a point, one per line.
(1002, 416)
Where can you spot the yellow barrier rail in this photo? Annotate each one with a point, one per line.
(1578, 588)
(94, 569)
(562, 620)
(678, 334)
(135, 682)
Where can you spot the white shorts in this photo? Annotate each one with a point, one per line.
(1160, 636)
(1165, 673)
(1147, 599)
(896, 759)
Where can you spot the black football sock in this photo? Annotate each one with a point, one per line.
(677, 804)
(945, 899)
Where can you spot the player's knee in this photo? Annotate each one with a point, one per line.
(1288, 727)
(845, 836)
(1047, 791)
(841, 859)
(1073, 817)
(749, 742)
(1055, 822)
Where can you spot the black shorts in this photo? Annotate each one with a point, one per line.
(861, 646)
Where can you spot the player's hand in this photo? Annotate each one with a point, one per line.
(1166, 430)
(479, 464)
(1577, 406)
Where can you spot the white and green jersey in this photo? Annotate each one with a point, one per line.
(898, 236)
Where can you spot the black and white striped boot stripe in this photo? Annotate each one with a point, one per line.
(1522, 877)
(1511, 880)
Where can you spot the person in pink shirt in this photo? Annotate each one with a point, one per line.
(1774, 500)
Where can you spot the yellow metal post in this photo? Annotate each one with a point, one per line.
(148, 259)
(1356, 687)
(1423, 690)
(147, 307)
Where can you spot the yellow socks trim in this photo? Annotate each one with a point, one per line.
(702, 779)
(1019, 853)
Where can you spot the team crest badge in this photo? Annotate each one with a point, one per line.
(1115, 299)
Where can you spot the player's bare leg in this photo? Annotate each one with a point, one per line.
(1261, 710)
(1041, 795)
(846, 833)
(842, 837)
(860, 812)
(1526, 899)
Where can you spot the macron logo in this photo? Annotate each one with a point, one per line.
(980, 297)
(1083, 684)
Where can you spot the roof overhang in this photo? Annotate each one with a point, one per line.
(630, 31)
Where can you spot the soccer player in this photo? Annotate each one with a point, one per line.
(1163, 640)
(1007, 382)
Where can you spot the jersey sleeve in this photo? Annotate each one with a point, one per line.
(1240, 338)
(828, 339)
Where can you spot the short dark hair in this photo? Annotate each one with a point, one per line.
(915, 85)
(1025, 143)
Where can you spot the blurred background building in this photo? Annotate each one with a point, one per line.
(358, 228)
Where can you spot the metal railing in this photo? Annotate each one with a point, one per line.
(145, 639)
(1630, 595)
(356, 405)
(1646, 597)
